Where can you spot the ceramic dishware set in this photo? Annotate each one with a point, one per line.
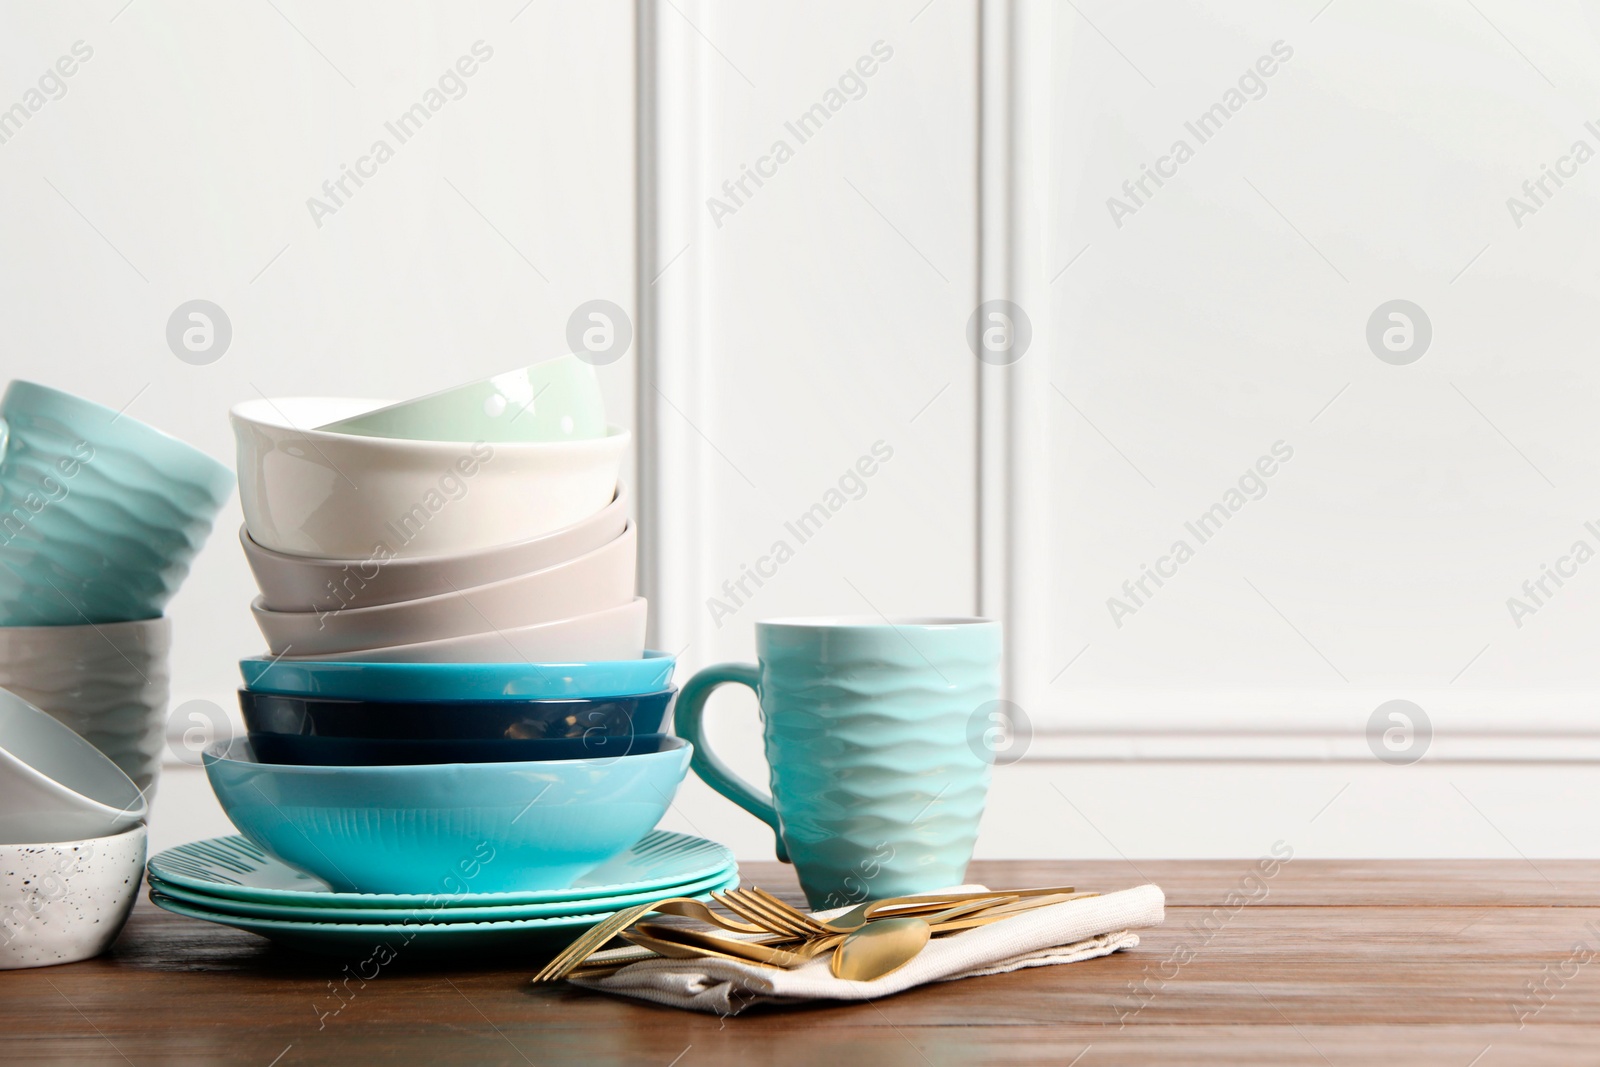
(457, 728)
(100, 518)
(456, 739)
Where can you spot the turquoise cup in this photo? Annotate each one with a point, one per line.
(875, 741)
(100, 514)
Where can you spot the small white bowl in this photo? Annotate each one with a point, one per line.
(305, 583)
(307, 492)
(593, 582)
(67, 900)
(54, 785)
(616, 633)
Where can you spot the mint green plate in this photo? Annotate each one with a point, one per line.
(557, 400)
(377, 944)
(442, 911)
(234, 868)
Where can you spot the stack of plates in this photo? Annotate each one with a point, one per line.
(228, 880)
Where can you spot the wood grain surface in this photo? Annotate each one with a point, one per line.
(1465, 963)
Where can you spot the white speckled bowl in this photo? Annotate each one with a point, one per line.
(67, 901)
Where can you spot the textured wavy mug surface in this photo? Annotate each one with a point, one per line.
(873, 735)
(108, 683)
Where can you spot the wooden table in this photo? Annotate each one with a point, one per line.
(1466, 964)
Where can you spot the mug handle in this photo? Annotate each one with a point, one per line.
(686, 720)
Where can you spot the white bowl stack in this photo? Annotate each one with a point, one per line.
(429, 549)
(72, 841)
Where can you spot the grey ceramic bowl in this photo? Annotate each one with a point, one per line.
(308, 583)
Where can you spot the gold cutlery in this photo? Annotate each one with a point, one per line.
(766, 949)
(867, 942)
(858, 916)
(883, 946)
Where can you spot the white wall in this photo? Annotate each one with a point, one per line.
(1230, 310)
(179, 164)
(828, 311)
(1171, 353)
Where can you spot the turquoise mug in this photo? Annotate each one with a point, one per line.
(875, 740)
(100, 514)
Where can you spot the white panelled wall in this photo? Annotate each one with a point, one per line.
(1176, 340)
(801, 206)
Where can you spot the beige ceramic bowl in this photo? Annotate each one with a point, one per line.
(308, 492)
(616, 633)
(306, 583)
(591, 583)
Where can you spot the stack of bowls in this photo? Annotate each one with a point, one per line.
(100, 518)
(456, 699)
(454, 543)
(72, 841)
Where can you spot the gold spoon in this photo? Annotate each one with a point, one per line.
(883, 946)
(765, 950)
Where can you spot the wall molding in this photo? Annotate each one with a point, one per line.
(673, 493)
(1013, 464)
(1467, 726)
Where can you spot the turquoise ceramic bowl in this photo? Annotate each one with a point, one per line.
(454, 827)
(100, 515)
(414, 682)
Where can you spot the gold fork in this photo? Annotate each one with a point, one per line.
(592, 939)
(858, 916)
(585, 946)
(754, 909)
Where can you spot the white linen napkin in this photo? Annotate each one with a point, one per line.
(1061, 933)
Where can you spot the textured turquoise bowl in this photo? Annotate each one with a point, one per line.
(100, 515)
(452, 828)
(413, 682)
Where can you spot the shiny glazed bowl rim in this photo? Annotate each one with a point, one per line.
(443, 559)
(221, 753)
(354, 615)
(246, 693)
(77, 803)
(136, 828)
(877, 622)
(244, 414)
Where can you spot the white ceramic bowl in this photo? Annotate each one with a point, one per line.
(307, 492)
(616, 633)
(67, 900)
(54, 785)
(306, 583)
(109, 683)
(593, 582)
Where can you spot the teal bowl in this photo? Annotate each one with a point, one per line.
(100, 514)
(414, 682)
(447, 828)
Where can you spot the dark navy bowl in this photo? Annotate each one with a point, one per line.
(449, 720)
(301, 750)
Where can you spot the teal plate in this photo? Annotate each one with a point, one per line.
(435, 913)
(378, 944)
(234, 868)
